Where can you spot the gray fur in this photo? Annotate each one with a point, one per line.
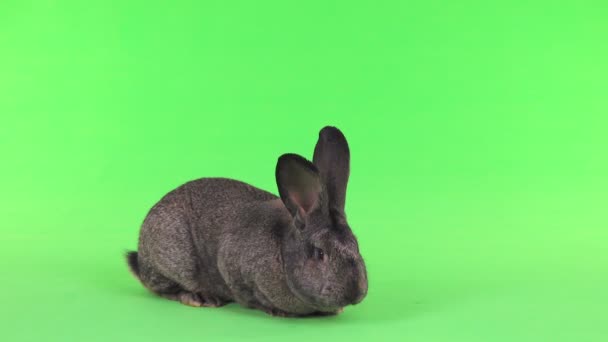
(214, 240)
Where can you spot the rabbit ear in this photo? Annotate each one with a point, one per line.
(332, 158)
(299, 184)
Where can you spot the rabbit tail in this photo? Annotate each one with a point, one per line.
(132, 262)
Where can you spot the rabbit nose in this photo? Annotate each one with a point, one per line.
(359, 294)
(359, 288)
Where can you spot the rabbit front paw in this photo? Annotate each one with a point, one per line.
(196, 299)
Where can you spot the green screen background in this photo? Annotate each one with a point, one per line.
(478, 133)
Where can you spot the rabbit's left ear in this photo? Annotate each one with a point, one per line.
(299, 184)
(332, 159)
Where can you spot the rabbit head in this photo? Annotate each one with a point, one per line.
(320, 254)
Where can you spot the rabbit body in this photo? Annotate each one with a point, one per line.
(217, 238)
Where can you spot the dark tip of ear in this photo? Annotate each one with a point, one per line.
(331, 133)
(298, 159)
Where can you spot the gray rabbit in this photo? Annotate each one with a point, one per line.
(213, 241)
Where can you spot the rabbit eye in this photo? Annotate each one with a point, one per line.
(319, 254)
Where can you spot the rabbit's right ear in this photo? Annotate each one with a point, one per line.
(332, 158)
(299, 184)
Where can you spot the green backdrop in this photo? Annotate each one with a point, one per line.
(478, 132)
